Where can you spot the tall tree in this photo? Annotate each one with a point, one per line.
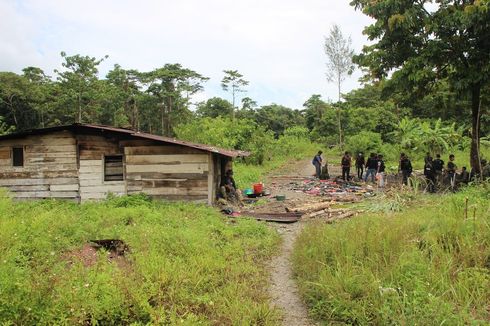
(422, 45)
(339, 57)
(127, 88)
(172, 86)
(78, 81)
(233, 81)
(339, 63)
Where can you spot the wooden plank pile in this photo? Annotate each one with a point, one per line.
(322, 210)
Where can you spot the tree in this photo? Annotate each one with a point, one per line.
(339, 57)
(214, 107)
(421, 46)
(233, 79)
(172, 86)
(278, 118)
(127, 88)
(78, 81)
(339, 63)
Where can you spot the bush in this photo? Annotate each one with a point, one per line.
(365, 141)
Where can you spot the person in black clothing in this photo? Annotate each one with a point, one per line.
(360, 161)
(438, 166)
(229, 190)
(381, 171)
(451, 171)
(426, 158)
(464, 177)
(430, 175)
(405, 167)
(346, 164)
(371, 167)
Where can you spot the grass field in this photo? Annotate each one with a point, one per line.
(186, 264)
(428, 264)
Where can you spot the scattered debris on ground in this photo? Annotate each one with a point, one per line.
(336, 188)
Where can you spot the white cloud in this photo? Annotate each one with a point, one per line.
(276, 45)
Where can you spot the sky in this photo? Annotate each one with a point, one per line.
(276, 44)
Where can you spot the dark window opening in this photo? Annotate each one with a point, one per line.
(113, 168)
(18, 156)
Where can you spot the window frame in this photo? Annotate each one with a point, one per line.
(12, 151)
(123, 175)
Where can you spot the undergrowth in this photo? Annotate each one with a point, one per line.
(186, 265)
(426, 265)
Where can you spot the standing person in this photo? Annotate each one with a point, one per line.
(451, 171)
(438, 166)
(360, 161)
(346, 164)
(406, 167)
(430, 175)
(371, 167)
(426, 158)
(317, 162)
(485, 171)
(380, 171)
(464, 176)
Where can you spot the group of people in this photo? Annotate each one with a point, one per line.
(374, 165)
(436, 172)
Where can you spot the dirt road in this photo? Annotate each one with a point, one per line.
(284, 291)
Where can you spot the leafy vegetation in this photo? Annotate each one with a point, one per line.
(185, 265)
(424, 261)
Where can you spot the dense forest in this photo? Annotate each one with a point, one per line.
(376, 117)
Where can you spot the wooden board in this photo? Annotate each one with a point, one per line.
(181, 168)
(163, 149)
(170, 159)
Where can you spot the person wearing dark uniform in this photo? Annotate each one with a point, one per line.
(229, 190)
(380, 171)
(360, 162)
(438, 166)
(371, 167)
(405, 167)
(346, 164)
(451, 171)
(430, 175)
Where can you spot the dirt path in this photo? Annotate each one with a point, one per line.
(284, 291)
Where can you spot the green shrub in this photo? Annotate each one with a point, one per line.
(365, 141)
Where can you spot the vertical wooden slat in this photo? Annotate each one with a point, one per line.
(211, 185)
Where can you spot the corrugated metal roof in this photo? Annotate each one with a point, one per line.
(129, 132)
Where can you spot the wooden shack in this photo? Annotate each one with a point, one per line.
(86, 162)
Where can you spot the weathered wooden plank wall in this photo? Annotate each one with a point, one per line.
(168, 171)
(64, 165)
(92, 149)
(50, 167)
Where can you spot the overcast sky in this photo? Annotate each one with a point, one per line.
(276, 44)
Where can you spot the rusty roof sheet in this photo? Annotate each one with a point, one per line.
(133, 133)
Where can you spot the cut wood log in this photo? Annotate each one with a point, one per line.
(341, 216)
(311, 207)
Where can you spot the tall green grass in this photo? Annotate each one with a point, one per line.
(426, 265)
(187, 265)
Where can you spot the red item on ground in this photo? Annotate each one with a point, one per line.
(258, 188)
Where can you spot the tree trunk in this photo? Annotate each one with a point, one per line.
(233, 104)
(475, 128)
(339, 120)
(340, 128)
(79, 108)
